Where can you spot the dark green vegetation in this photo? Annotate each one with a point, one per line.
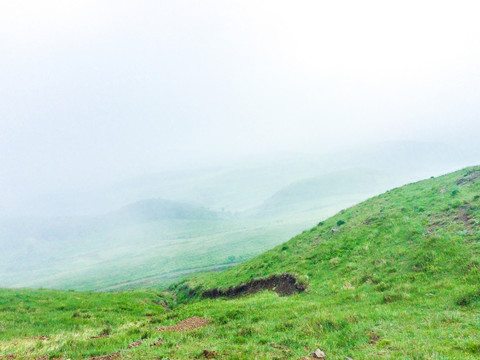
(395, 277)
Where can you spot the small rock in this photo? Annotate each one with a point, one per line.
(319, 354)
(335, 230)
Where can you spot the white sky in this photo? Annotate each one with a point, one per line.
(94, 90)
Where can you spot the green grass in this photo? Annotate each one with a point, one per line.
(68, 320)
(398, 279)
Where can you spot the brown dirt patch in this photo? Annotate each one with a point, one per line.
(135, 344)
(284, 284)
(209, 354)
(185, 325)
(106, 357)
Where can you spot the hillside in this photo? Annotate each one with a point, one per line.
(413, 223)
(395, 277)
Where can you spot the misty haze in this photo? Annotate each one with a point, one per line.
(239, 180)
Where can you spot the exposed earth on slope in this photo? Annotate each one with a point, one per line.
(185, 325)
(284, 284)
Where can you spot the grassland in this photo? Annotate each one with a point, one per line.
(397, 278)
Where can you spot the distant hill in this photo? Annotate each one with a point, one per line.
(345, 186)
(159, 209)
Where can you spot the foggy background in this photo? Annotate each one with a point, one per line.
(141, 141)
(94, 92)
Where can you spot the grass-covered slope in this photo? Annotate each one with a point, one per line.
(395, 277)
(422, 231)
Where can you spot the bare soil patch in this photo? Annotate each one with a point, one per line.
(135, 344)
(185, 325)
(284, 284)
(209, 354)
(106, 357)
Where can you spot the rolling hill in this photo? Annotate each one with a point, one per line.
(394, 277)
(341, 187)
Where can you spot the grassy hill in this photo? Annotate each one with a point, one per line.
(439, 213)
(395, 277)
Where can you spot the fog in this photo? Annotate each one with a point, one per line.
(98, 92)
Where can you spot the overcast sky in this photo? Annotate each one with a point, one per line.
(95, 90)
